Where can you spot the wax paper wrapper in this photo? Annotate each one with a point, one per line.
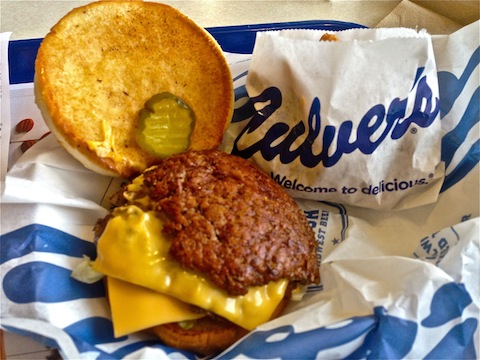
(395, 284)
(354, 121)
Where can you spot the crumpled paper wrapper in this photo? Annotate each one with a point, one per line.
(394, 284)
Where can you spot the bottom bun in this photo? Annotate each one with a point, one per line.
(208, 335)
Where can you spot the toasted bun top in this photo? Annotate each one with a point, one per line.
(101, 63)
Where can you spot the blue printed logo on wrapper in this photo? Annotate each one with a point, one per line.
(392, 120)
(460, 151)
(433, 248)
(355, 151)
(451, 87)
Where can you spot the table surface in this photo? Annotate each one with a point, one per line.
(33, 19)
(28, 19)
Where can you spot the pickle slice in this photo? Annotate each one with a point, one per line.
(165, 125)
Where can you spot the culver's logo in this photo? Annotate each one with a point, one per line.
(379, 123)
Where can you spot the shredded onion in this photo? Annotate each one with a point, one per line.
(85, 273)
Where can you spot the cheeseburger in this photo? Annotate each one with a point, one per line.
(201, 246)
(218, 240)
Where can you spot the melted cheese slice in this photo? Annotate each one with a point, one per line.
(150, 308)
(105, 147)
(132, 248)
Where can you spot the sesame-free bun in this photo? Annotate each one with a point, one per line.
(100, 63)
(207, 335)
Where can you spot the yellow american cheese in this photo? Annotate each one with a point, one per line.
(133, 249)
(105, 148)
(136, 308)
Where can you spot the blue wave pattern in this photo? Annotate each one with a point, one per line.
(42, 238)
(451, 88)
(49, 342)
(55, 282)
(381, 342)
(384, 336)
(452, 297)
(40, 281)
(38, 238)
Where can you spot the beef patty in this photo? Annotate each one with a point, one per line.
(231, 222)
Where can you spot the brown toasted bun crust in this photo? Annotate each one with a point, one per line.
(209, 335)
(101, 62)
(231, 222)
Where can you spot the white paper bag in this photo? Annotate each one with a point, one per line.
(355, 121)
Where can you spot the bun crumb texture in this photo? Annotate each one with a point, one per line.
(101, 62)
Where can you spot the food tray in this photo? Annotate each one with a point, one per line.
(235, 39)
(406, 286)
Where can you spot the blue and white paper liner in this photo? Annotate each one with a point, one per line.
(403, 307)
(400, 285)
